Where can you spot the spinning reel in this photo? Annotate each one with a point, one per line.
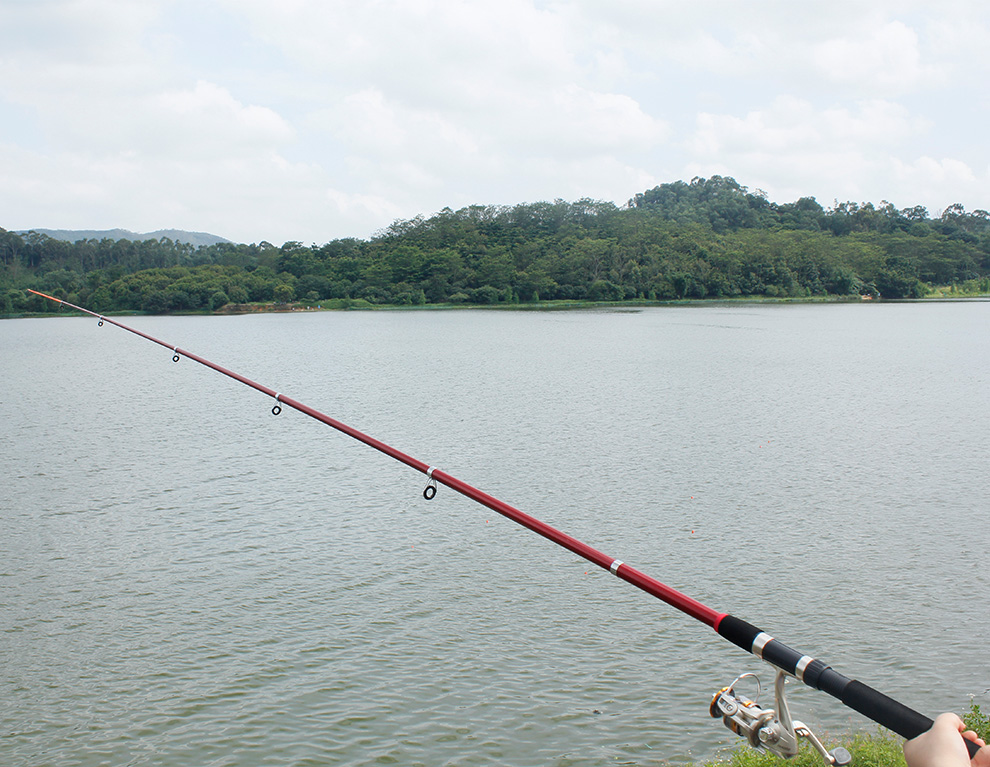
(765, 728)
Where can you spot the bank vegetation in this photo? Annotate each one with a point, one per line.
(707, 238)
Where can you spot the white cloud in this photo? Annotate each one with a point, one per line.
(886, 58)
(370, 123)
(793, 149)
(592, 122)
(146, 193)
(206, 123)
(434, 51)
(52, 50)
(791, 125)
(939, 183)
(310, 119)
(76, 29)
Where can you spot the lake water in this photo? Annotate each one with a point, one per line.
(186, 579)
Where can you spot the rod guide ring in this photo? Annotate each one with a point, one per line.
(431, 488)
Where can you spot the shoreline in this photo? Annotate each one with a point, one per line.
(352, 304)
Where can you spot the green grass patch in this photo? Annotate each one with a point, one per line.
(977, 721)
(879, 749)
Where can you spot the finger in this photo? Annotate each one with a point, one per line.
(948, 719)
(982, 758)
(971, 735)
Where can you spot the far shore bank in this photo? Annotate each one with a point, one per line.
(358, 304)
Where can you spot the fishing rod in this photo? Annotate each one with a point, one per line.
(771, 729)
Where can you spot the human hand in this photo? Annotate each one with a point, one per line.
(942, 746)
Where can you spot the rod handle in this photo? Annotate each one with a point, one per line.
(886, 711)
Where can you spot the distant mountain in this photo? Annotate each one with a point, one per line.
(176, 235)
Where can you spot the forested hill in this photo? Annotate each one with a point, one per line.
(708, 238)
(74, 235)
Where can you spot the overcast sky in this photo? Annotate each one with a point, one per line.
(317, 119)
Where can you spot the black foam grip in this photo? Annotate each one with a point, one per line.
(831, 681)
(874, 705)
(742, 634)
(738, 631)
(893, 715)
(781, 656)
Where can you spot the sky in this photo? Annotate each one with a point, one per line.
(312, 120)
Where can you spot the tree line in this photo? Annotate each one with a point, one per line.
(708, 238)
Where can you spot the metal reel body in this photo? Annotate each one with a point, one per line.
(767, 728)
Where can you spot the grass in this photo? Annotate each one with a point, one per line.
(968, 289)
(880, 749)
(977, 721)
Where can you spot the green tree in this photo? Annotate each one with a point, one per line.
(283, 293)
(218, 300)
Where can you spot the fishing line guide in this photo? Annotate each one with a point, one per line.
(431, 487)
(770, 729)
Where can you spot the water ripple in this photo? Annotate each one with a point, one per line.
(189, 580)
